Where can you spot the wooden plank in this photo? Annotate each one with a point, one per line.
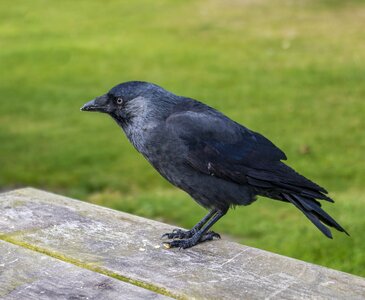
(26, 274)
(117, 243)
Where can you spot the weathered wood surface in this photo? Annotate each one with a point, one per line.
(129, 248)
(26, 274)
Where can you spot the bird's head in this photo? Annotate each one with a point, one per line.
(131, 101)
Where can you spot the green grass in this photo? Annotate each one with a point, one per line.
(293, 70)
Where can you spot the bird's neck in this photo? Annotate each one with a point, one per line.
(138, 133)
(144, 117)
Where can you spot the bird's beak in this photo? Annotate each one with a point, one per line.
(99, 104)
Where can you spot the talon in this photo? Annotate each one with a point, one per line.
(165, 235)
(178, 234)
(215, 235)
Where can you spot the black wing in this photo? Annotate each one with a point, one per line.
(221, 146)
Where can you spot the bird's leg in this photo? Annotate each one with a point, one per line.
(184, 234)
(201, 235)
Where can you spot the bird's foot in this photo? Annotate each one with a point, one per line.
(179, 234)
(192, 241)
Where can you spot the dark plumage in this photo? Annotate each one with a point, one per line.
(219, 162)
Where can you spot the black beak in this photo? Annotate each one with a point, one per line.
(99, 104)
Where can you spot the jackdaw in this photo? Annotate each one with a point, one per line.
(217, 161)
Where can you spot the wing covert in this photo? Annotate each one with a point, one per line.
(221, 147)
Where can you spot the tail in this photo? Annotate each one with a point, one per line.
(283, 183)
(313, 211)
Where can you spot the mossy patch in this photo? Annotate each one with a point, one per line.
(13, 239)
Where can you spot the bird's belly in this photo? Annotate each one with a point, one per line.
(208, 191)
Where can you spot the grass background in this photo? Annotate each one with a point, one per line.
(292, 70)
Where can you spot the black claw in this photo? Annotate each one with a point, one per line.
(215, 235)
(165, 235)
(209, 236)
(178, 234)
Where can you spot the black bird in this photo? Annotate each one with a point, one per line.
(217, 161)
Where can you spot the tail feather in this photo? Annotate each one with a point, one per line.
(314, 213)
(282, 173)
(285, 178)
(306, 192)
(315, 221)
(283, 183)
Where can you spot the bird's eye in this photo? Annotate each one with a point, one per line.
(119, 101)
